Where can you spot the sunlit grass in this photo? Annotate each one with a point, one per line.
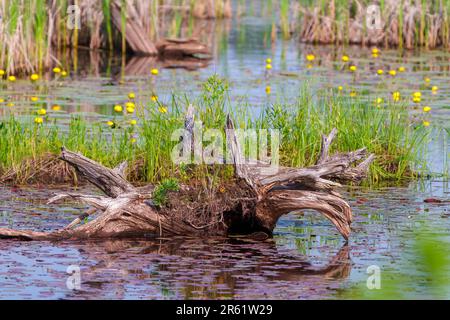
(142, 135)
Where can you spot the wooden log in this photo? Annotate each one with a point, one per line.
(181, 47)
(137, 37)
(260, 198)
(110, 181)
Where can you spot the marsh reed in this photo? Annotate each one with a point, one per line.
(35, 33)
(28, 150)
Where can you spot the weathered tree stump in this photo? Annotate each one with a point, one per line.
(262, 197)
(181, 47)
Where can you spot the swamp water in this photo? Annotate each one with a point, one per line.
(307, 257)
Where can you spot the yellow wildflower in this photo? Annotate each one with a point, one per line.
(38, 120)
(434, 88)
(131, 95)
(34, 99)
(310, 57)
(427, 80)
(34, 77)
(417, 97)
(268, 66)
(118, 108)
(133, 122)
(426, 109)
(396, 96)
(162, 109)
(268, 89)
(268, 60)
(380, 72)
(110, 123)
(340, 88)
(154, 71)
(130, 107)
(2, 72)
(392, 72)
(401, 69)
(375, 51)
(352, 93)
(345, 58)
(42, 112)
(154, 98)
(56, 107)
(57, 70)
(12, 78)
(64, 73)
(353, 68)
(426, 123)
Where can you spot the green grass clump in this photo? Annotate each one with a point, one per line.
(385, 130)
(159, 195)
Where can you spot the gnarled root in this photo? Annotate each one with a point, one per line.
(127, 211)
(331, 206)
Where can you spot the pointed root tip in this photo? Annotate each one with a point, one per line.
(345, 231)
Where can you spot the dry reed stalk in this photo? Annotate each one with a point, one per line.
(23, 49)
(406, 23)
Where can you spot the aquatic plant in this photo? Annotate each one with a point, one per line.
(159, 195)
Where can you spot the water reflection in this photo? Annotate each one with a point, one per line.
(178, 268)
(211, 269)
(140, 66)
(306, 259)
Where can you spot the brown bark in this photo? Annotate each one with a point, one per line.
(265, 196)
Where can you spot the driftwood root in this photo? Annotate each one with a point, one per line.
(262, 198)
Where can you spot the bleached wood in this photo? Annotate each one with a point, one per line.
(127, 211)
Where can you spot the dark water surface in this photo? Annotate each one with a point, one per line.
(307, 257)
